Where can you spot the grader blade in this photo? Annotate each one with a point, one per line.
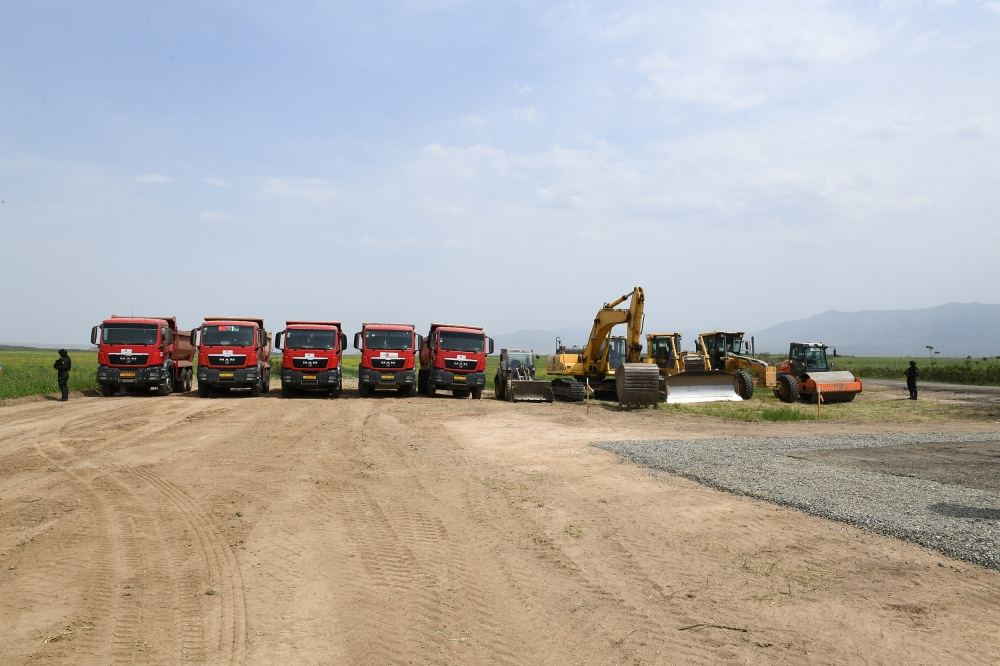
(529, 390)
(708, 386)
(638, 385)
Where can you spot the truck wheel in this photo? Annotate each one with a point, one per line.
(744, 384)
(788, 388)
(363, 390)
(431, 388)
(185, 381)
(406, 390)
(255, 390)
(204, 390)
(166, 387)
(108, 390)
(477, 393)
(266, 380)
(286, 391)
(422, 382)
(335, 392)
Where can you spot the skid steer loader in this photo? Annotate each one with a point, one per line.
(515, 378)
(686, 378)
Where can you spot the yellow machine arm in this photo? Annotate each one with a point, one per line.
(595, 354)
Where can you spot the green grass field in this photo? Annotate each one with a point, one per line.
(30, 372)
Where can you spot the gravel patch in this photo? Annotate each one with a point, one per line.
(960, 522)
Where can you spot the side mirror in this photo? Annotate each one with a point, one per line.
(167, 335)
(491, 345)
(343, 341)
(538, 357)
(421, 342)
(357, 340)
(94, 332)
(195, 334)
(277, 339)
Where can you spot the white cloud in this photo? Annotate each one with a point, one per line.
(217, 182)
(153, 179)
(992, 7)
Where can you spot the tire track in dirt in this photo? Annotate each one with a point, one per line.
(223, 570)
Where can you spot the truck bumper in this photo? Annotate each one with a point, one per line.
(109, 376)
(324, 379)
(236, 377)
(458, 380)
(386, 378)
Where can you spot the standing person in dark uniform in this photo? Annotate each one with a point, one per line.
(62, 366)
(911, 379)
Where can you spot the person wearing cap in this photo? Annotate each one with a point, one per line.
(911, 379)
(62, 366)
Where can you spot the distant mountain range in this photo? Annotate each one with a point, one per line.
(955, 329)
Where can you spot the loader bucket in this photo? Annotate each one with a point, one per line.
(698, 386)
(529, 390)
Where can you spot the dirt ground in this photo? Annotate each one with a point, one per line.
(163, 530)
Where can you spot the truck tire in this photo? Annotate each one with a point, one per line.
(286, 391)
(363, 390)
(185, 381)
(477, 393)
(266, 380)
(255, 390)
(405, 391)
(166, 387)
(108, 390)
(787, 389)
(422, 382)
(499, 390)
(335, 392)
(204, 390)
(431, 388)
(744, 384)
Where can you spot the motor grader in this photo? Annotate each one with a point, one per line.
(723, 351)
(807, 375)
(632, 382)
(684, 377)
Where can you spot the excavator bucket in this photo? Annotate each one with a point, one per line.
(529, 390)
(702, 386)
(638, 384)
(836, 386)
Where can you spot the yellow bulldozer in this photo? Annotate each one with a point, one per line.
(687, 377)
(724, 351)
(629, 381)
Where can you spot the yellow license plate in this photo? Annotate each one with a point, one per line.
(225, 375)
(127, 374)
(459, 378)
(308, 377)
(388, 377)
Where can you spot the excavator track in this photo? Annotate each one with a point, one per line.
(638, 385)
(568, 389)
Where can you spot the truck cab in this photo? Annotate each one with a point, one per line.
(453, 357)
(311, 356)
(233, 352)
(142, 353)
(388, 357)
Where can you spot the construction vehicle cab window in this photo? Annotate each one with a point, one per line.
(130, 334)
(454, 341)
(381, 339)
(310, 339)
(228, 334)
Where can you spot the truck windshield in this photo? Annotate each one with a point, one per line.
(305, 339)
(130, 334)
(375, 339)
(227, 335)
(467, 342)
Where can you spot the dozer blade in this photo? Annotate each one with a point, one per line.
(529, 390)
(701, 386)
(638, 384)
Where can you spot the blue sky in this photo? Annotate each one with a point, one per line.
(511, 164)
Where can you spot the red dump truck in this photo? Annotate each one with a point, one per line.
(142, 353)
(388, 357)
(311, 356)
(453, 357)
(233, 352)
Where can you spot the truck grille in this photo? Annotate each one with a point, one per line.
(456, 364)
(388, 362)
(128, 359)
(311, 363)
(222, 359)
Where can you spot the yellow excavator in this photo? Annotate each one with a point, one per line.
(631, 382)
(687, 378)
(723, 351)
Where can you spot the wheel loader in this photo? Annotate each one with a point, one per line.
(723, 351)
(807, 375)
(515, 378)
(632, 383)
(684, 377)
